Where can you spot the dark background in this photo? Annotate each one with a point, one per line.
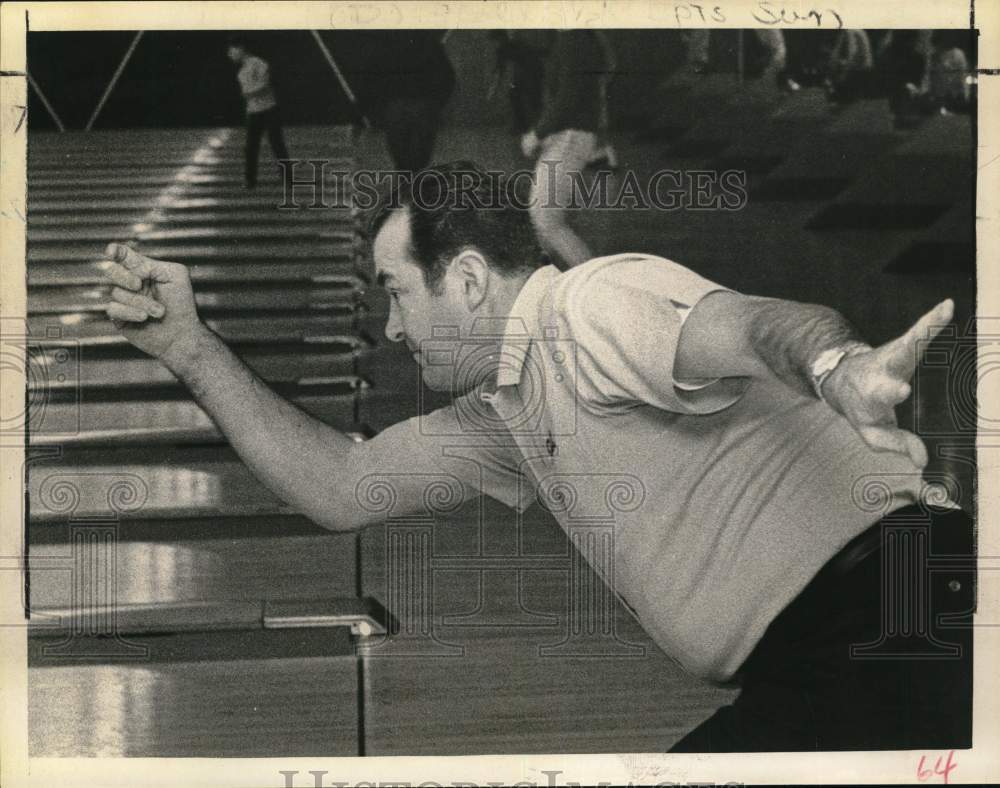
(184, 78)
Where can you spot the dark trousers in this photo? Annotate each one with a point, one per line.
(526, 91)
(875, 653)
(411, 126)
(257, 124)
(850, 86)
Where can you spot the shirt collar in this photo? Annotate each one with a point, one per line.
(521, 322)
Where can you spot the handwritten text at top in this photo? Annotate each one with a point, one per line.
(763, 13)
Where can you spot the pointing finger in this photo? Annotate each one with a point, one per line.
(900, 356)
(932, 323)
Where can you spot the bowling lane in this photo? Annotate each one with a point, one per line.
(361, 617)
(337, 272)
(503, 696)
(188, 560)
(84, 205)
(160, 482)
(298, 231)
(195, 252)
(193, 193)
(107, 144)
(519, 646)
(232, 613)
(279, 285)
(196, 215)
(127, 367)
(210, 297)
(165, 415)
(91, 329)
(219, 173)
(285, 693)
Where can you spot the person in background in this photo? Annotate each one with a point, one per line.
(254, 77)
(776, 59)
(807, 55)
(904, 61)
(521, 67)
(849, 71)
(696, 44)
(565, 139)
(949, 88)
(606, 153)
(409, 82)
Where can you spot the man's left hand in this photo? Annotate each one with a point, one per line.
(866, 387)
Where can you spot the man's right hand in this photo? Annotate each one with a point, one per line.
(152, 302)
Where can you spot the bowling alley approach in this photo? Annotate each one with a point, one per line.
(567, 438)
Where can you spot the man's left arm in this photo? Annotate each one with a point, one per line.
(814, 350)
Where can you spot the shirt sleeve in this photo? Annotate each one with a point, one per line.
(484, 461)
(625, 316)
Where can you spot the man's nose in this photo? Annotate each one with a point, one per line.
(393, 327)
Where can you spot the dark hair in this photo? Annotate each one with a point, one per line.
(237, 40)
(458, 206)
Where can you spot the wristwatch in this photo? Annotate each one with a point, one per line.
(824, 365)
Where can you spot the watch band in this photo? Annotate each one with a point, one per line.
(824, 365)
(827, 361)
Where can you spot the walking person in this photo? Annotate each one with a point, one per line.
(408, 82)
(606, 152)
(520, 66)
(262, 114)
(565, 139)
(849, 71)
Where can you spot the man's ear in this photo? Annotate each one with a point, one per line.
(474, 276)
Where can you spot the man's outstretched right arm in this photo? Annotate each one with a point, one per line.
(304, 461)
(307, 463)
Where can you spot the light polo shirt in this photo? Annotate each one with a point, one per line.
(254, 77)
(723, 498)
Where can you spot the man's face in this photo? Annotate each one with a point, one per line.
(416, 314)
(235, 53)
